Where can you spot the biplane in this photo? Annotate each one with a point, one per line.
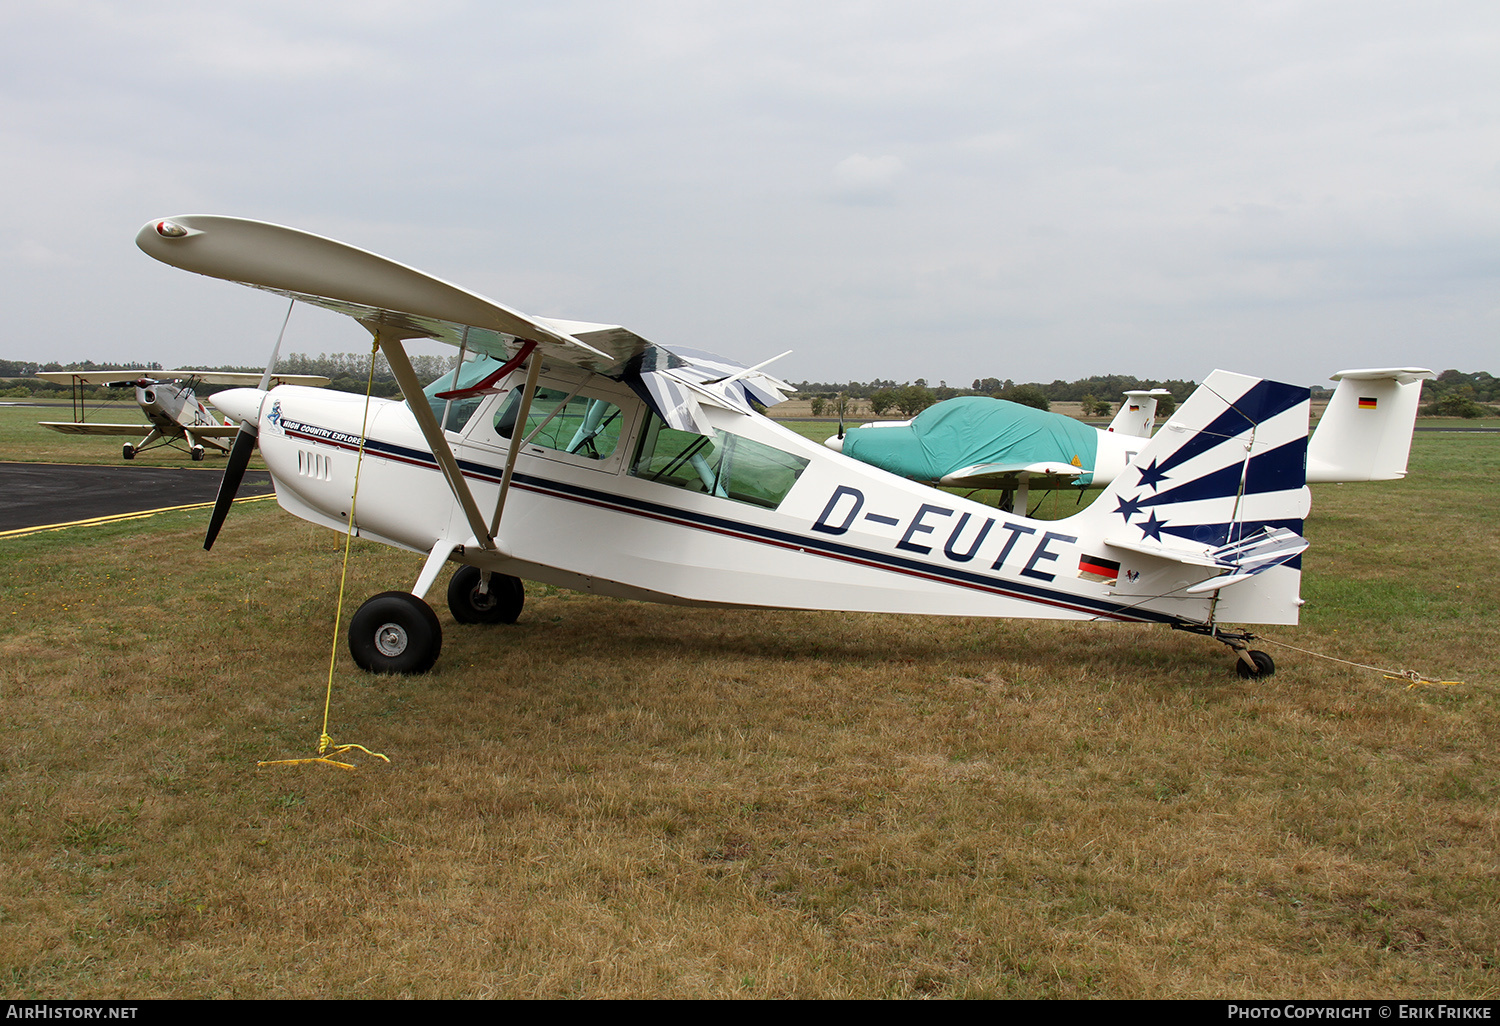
(175, 415)
(584, 456)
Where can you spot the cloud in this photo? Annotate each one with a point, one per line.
(861, 179)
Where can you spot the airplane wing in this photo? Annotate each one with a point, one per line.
(1007, 475)
(91, 428)
(96, 377)
(399, 302)
(245, 380)
(74, 428)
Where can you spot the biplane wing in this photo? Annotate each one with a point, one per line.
(203, 377)
(71, 427)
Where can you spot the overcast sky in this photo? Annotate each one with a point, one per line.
(932, 189)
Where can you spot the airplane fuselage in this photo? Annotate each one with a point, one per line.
(841, 535)
(174, 410)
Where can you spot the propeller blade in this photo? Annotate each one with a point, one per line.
(244, 444)
(229, 484)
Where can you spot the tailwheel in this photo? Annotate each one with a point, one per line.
(1264, 666)
(128, 452)
(501, 603)
(395, 632)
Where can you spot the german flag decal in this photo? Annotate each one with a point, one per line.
(1366, 402)
(1097, 568)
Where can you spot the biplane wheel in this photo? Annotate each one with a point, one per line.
(197, 452)
(128, 452)
(395, 632)
(501, 604)
(1264, 666)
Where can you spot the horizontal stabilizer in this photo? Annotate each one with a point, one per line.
(1254, 555)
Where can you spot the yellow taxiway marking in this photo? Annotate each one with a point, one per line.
(22, 532)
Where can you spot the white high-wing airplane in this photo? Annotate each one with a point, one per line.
(584, 456)
(979, 442)
(170, 402)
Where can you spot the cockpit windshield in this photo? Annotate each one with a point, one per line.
(454, 414)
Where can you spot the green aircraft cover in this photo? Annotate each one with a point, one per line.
(972, 429)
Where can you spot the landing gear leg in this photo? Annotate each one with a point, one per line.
(1249, 663)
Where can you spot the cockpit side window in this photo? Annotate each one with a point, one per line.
(579, 425)
(726, 465)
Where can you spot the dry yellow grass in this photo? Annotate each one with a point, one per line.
(612, 799)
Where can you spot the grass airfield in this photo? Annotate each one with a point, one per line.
(613, 799)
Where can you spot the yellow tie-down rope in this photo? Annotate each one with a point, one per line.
(1412, 677)
(325, 741)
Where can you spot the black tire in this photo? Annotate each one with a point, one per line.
(1264, 666)
(395, 632)
(128, 452)
(501, 605)
(197, 452)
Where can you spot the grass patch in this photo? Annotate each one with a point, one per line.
(611, 799)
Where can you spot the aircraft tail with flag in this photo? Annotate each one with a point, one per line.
(1365, 434)
(1137, 414)
(1210, 514)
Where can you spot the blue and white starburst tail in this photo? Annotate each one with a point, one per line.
(1207, 522)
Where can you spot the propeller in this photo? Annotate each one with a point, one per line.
(242, 449)
(234, 472)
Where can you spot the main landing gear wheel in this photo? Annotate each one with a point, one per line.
(128, 452)
(197, 452)
(1264, 666)
(500, 604)
(395, 632)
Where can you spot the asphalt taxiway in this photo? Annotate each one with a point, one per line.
(50, 495)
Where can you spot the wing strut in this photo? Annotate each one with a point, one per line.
(533, 370)
(411, 389)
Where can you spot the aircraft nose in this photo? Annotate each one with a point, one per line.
(834, 442)
(240, 403)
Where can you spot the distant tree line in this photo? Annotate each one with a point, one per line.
(1456, 394)
(1453, 394)
(346, 372)
(1097, 394)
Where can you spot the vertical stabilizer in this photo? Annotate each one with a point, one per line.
(1218, 488)
(1365, 434)
(1137, 414)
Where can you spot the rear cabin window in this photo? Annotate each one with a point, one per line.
(725, 465)
(580, 425)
